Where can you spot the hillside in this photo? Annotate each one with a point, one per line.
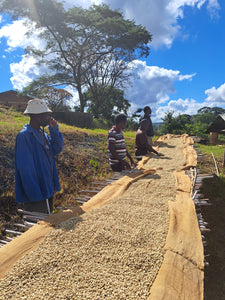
(115, 247)
(83, 159)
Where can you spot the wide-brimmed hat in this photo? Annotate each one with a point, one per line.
(36, 106)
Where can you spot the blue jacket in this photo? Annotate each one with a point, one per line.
(36, 177)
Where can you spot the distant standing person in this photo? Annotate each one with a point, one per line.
(36, 177)
(142, 146)
(149, 131)
(116, 145)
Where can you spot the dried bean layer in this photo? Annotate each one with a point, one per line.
(113, 252)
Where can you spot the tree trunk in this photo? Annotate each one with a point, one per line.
(81, 98)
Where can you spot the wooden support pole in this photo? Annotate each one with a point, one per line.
(13, 232)
(29, 224)
(21, 225)
(3, 242)
(32, 213)
(217, 170)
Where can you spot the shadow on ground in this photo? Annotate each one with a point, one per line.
(214, 189)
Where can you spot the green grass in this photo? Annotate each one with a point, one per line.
(208, 164)
(217, 150)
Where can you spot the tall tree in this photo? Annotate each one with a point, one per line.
(106, 102)
(83, 47)
(169, 123)
(213, 110)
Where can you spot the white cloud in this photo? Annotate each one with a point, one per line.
(81, 3)
(213, 8)
(180, 106)
(75, 99)
(213, 4)
(25, 71)
(159, 17)
(152, 85)
(216, 96)
(200, 3)
(154, 15)
(15, 34)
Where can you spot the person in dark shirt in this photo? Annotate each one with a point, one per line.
(149, 131)
(141, 142)
(116, 145)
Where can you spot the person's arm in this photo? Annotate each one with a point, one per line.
(144, 142)
(130, 158)
(116, 156)
(56, 139)
(150, 149)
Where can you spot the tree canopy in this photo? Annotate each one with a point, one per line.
(211, 110)
(56, 99)
(106, 102)
(83, 48)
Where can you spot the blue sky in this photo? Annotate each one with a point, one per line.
(184, 71)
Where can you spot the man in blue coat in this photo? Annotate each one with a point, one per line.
(36, 177)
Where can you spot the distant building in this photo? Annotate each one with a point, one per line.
(18, 102)
(13, 99)
(217, 127)
(218, 124)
